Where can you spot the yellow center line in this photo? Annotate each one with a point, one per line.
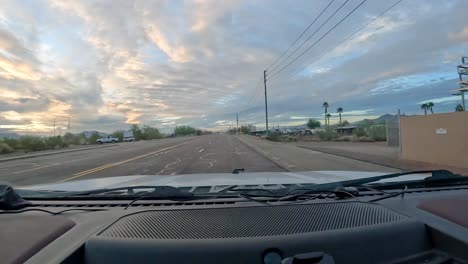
(110, 165)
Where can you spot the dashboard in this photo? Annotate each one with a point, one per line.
(421, 226)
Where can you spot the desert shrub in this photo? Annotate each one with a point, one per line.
(345, 138)
(5, 148)
(377, 133)
(366, 139)
(360, 132)
(29, 143)
(327, 134)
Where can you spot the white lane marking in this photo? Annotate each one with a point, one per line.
(211, 162)
(276, 158)
(201, 150)
(37, 168)
(168, 166)
(19, 164)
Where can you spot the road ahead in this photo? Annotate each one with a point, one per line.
(186, 155)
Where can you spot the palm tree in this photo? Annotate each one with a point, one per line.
(459, 108)
(339, 111)
(327, 117)
(325, 105)
(430, 105)
(425, 107)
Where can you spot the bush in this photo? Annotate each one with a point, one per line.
(150, 133)
(55, 143)
(184, 130)
(366, 139)
(345, 138)
(5, 148)
(32, 143)
(274, 137)
(327, 134)
(118, 134)
(92, 139)
(377, 133)
(360, 132)
(13, 143)
(312, 123)
(281, 138)
(74, 139)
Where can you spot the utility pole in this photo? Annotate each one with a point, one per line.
(237, 123)
(54, 126)
(68, 126)
(266, 102)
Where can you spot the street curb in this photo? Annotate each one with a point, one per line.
(51, 153)
(259, 152)
(349, 157)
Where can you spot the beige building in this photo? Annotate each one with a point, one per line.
(438, 138)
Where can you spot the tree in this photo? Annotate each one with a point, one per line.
(150, 133)
(339, 111)
(312, 123)
(327, 116)
(345, 123)
(92, 139)
(118, 134)
(137, 133)
(459, 108)
(425, 107)
(325, 105)
(430, 105)
(245, 129)
(184, 130)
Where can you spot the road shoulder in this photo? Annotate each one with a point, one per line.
(293, 158)
(51, 152)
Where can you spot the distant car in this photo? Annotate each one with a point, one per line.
(308, 132)
(128, 139)
(107, 139)
(128, 136)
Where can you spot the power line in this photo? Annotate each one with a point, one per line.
(350, 36)
(313, 34)
(328, 32)
(303, 32)
(254, 96)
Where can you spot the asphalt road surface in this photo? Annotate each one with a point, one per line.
(171, 156)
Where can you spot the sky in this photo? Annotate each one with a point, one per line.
(108, 64)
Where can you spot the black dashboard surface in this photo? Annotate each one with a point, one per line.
(394, 230)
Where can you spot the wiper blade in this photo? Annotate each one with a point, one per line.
(157, 191)
(435, 175)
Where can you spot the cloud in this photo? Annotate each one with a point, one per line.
(174, 52)
(109, 64)
(461, 35)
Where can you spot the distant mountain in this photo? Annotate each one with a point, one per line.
(379, 120)
(385, 118)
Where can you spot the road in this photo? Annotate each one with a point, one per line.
(171, 156)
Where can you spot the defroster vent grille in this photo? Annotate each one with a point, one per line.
(249, 221)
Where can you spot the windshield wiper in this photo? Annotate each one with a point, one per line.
(436, 176)
(131, 191)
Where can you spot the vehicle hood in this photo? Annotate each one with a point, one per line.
(218, 179)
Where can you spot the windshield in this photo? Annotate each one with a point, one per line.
(204, 95)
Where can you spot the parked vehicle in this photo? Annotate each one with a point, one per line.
(107, 139)
(128, 136)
